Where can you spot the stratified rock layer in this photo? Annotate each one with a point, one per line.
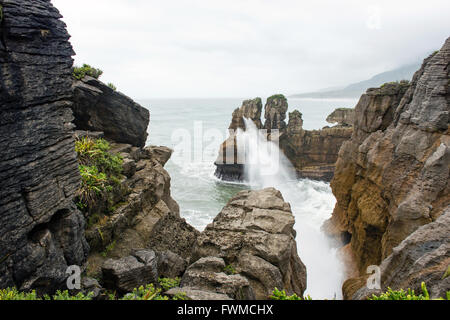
(254, 235)
(97, 107)
(392, 176)
(313, 153)
(41, 231)
(342, 116)
(229, 166)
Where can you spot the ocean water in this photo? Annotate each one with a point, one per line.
(195, 128)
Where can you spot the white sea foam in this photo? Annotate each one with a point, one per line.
(311, 202)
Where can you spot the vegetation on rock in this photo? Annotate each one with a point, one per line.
(406, 295)
(281, 295)
(100, 171)
(169, 283)
(86, 70)
(112, 86)
(148, 292)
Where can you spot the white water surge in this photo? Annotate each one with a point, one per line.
(311, 202)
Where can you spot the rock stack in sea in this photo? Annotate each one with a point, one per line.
(391, 182)
(313, 153)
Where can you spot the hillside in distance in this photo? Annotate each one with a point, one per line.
(355, 90)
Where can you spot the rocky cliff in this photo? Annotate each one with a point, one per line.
(392, 177)
(41, 230)
(97, 107)
(254, 235)
(312, 152)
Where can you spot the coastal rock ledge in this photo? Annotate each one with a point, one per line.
(253, 236)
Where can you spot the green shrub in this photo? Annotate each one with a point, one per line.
(149, 292)
(112, 86)
(86, 70)
(406, 295)
(100, 171)
(14, 294)
(169, 283)
(229, 270)
(64, 295)
(281, 295)
(108, 249)
(277, 96)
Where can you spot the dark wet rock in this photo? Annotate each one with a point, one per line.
(130, 272)
(41, 231)
(97, 107)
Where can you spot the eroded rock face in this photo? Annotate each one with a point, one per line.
(146, 216)
(275, 113)
(207, 274)
(97, 107)
(424, 256)
(254, 234)
(250, 109)
(313, 152)
(41, 231)
(342, 117)
(131, 272)
(392, 176)
(229, 167)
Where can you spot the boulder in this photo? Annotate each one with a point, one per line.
(170, 265)
(130, 272)
(97, 107)
(254, 236)
(207, 274)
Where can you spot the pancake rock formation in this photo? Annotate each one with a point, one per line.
(392, 176)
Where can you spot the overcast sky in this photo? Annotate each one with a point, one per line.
(247, 48)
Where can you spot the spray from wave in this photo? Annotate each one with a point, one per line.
(311, 202)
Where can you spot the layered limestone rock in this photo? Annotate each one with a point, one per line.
(253, 235)
(145, 216)
(207, 274)
(342, 117)
(275, 113)
(41, 230)
(97, 107)
(424, 256)
(229, 166)
(392, 177)
(313, 153)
